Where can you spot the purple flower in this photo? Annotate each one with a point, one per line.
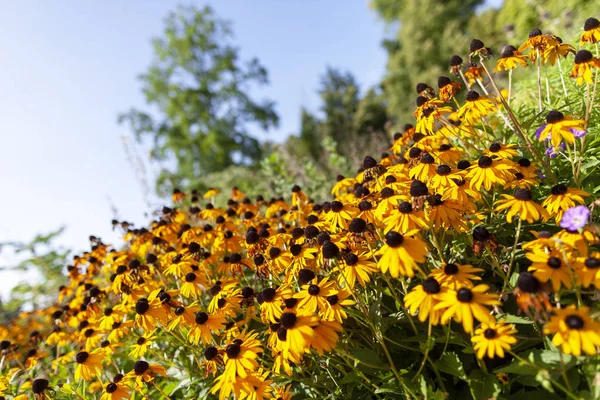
(575, 218)
(578, 133)
(552, 153)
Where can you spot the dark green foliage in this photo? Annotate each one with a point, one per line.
(41, 255)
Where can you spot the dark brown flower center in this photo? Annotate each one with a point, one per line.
(464, 295)
(431, 286)
(523, 194)
(314, 290)
(233, 350)
(583, 56)
(574, 322)
(554, 262)
(489, 333)
(528, 283)
(394, 239)
(485, 162)
(288, 320)
(451, 269)
(554, 116)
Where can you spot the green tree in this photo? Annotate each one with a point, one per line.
(355, 124)
(429, 33)
(43, 257)
(200, 108)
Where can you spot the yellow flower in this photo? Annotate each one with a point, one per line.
(454, 276)
(405, 220)
(400, 254)
(552, 266)
(488, 172)
(204, 327)
(476, 107)
(314, 295)
(493, 338)
(591, 32)
(582, 69)
(88, 364)
(212, 192)
(559, 127)
(588, 273)
(447, 88)
(501, 151)
(510, 59)
(465, 304)
(115, 391)
(574, 330)
(521, 203)
(561, 199)
(422, 299)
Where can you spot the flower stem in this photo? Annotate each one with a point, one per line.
(512, 256)
(539, 80)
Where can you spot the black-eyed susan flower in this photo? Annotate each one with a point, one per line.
(405, 220)
(488, 172)
(531, 294)
(204, 327)
(466, 304)
(141, 345)
(558, 127)
(588, 272)
(454, 276)
(501, 151)
(314, 295)
(522, 204)
(574, 330)
(340, 215)
(149, 311)
(144, 372)
(401, 254)
(552, 266)
(337, 302)
(326, 336)
(422, 299)
(355, 267)
(555, 49)
(88, 364)
(520, 181)
(283, 392)
(447, 88)
(474, 74)
(296, 332)
(444, 178)
(455, 64)
(582, 69)
(115, 391)
(509, 59)
(476, 107)
(591, 31)
(445, 214)
(493, 339)
(425, 169)
(561, 199)
(536, 44)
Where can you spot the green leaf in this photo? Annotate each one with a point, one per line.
(513, 319)
(451, 364)
(547, 359)
(483, 386)
(367, 356)
(349, 378)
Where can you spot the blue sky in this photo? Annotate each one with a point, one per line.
(69, 67)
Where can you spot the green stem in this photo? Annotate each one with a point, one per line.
(512, 256)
